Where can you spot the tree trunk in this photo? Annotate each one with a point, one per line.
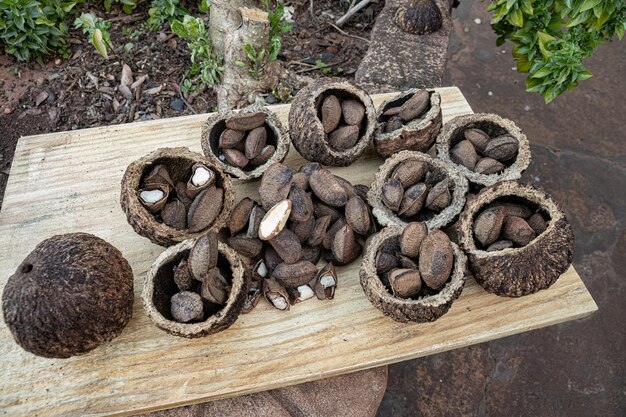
(225, 18)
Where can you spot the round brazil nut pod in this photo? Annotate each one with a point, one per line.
(202, 210)
(72, 293)
(257, 147)
(434, 172)
(496, 130)
(159, 287)
(429, 305)
(517, 271)
(332, 121)
(417, 134)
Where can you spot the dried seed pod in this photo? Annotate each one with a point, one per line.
(410, 171)
(488, 166)
(517, 230)
(331, 113)
(419, 17)
(203, 256)
(174, 214)
(309, 134)
(436, 259)
(267, 153)
(428, 306)
(345, 247)
(392, 194)
(418, 133)
(275, 185)
(246, 121)
(201, 178)
(537, 223)
(235, 158)
(256, 216)
(159, 175)
(255, 142)
(187, 306)
(240, 215)
(439, 196)
(478, 138)
(344, 138)
(499, 245)
(412, 237)
(303, 229)
(271, 258)
(502, 148)
(358, 215)
(301, 204)
(328, 188)
(413, 200)
(385, 262)
(325, 282)
(493, 126)
(488, 225)
(205, 209)
(353, 112)
(518, 271)
(182, 276)
(215, 288)
(230, 138)
(319, 231)
(274, 220)
(311, 254)
(331, 232)
(301, 180)
(153, 197)
(287, 245)
(437, 171)
(405, 283)
(246, 246)
(321, 210)
(276, 294)
(294, 275)
(464, 154)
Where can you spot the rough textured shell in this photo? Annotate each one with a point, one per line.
(216, 322)
(417, 135)
(505, 126)
(143, 222)
(518, 271)
(307, 133)
(446, 217)
(72, 293)
(424, 309)
(282, 141)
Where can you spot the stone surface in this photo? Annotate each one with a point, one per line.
(397, 60)
(353, 395)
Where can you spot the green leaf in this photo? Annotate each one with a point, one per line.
(584, 75)
(588, 4)
(516, 18)
(97, 42)
(128, 47)
(544, 72)
(579, 19)
(527, 7)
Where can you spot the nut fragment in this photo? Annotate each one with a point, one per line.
(502, 148)
(353, 112)
(174, 214)
(392, 194)
(500, 245)
(327, 188)
(358, 215)
(331, 113)
(255, 142)
(205, 209)
(344, 138)
(517, 230)
(412, 237)
(230, 138)
(287, 245)
(274, 220)
(154, 197)
(439, 196)
(305, 292)
(488, 166)
(187, 306)
(158, 176)
(405, 283)
(240, 215)
(488, 224)
(215, 288)
(294, 275)
(464, 154)
(436, 259)
(413, 200)
(478, 138)
(203, 256)
(326, 282)
(245, 122)
(319, 231)
(276, 294)
(182, 277)
(410, 171)
(415, 106)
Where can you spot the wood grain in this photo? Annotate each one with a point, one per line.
(69, 181)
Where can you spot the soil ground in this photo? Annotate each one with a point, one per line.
(579, 156)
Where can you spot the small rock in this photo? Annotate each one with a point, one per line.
(177, 105)
(172, 43)
(127, 76)
(270, 99)
(54, 115)
(477, 21)
(41, 97)
(108, 117)
(8, 110)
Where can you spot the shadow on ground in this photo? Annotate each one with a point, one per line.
(579, 146)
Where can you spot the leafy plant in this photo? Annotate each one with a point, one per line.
(323, 67)
(97, 30)
(164, 11)
(33, 28)
(551, 38)
(127, 5)
(206, 67)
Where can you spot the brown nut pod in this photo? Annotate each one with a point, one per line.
(425, 308)
(276, 136)
(158, 288)
(457, 183)
(515, 272)
(179, 162)
(416, 135)
(305, 126)
(454, 131)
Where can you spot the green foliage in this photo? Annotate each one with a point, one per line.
(164, 11)
(127, 5)
(206, 67)
(33, 28)
(97, 30)
(323, 67)
(552, 37)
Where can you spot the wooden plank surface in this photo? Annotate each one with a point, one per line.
(69, 181)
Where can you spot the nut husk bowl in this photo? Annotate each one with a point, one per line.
(425, 308)
(520, 271)
(159, 287)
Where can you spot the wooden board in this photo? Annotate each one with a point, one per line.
(69, 181)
